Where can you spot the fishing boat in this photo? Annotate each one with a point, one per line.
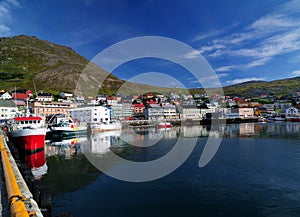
(105, 126)
(66, 128)
(262, 120)
(293, 119)
(27, 133)
(164, 125)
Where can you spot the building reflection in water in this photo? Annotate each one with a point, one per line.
(100, 143)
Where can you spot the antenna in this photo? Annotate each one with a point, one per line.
(34, 88)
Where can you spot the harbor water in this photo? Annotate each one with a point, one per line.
(255, 172)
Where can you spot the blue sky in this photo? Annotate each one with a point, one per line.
(241, 40)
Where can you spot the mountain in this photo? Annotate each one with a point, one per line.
(256, 88)
(30, 63)
(27, 62)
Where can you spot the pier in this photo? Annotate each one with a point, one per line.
(16, 198)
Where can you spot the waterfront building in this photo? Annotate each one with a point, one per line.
(291, 112)
(52, 108)
(244, 112)
(225, 113)
(127, 111)
(8, 109)
(91, 114)
(117, 111)
(138, 110)
(154, 112)
(170, 112)
(190, 112)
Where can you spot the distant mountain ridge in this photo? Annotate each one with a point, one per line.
(27, 62)
(256, 88)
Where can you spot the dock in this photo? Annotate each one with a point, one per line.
(16, 198)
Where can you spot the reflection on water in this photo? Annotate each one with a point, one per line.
(100, 143)
(254, 173)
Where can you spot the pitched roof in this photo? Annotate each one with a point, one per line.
(20, 95)
(7, 103)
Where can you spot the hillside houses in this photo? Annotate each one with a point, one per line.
(150, 106)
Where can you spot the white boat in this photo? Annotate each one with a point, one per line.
(279, 118)
(66, 128)
(105, 126)
(262, 119)
(164, 125)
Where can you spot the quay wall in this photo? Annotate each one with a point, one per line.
(178, 122)
(19, 197)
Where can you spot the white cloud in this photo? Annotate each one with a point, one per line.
(296, 73)
(242, 80)
(272, 35)
(207, 35)
(5, 15)
(274, 22)
(258, 62)
(192, 55)
(225, 68)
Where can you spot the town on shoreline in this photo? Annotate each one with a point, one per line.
(151, 107)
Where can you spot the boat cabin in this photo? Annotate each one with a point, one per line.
(27, 122)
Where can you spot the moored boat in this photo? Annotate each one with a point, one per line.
(105, 126)
(66, 128)
(27, 133)
(293, 119)
(164, 125)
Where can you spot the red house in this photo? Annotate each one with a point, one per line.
(21, 96)
(138, 108)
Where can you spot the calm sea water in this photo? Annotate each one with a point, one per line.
(255, 172)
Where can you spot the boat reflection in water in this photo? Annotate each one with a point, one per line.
(245, 149)
(65, 148)
(36, 162)
(102, 142)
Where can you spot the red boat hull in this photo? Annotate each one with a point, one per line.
(30, 141)
(164, 125)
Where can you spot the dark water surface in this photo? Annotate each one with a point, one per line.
(255, 172)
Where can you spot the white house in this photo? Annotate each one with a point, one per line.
(91, 114)
(5, 96)
(8, 109)
(291, 112)
(44, 97)
(154, 112)
(190, 112)
(170, 112)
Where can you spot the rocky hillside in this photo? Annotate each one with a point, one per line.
(256, 88)
(28, 62)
